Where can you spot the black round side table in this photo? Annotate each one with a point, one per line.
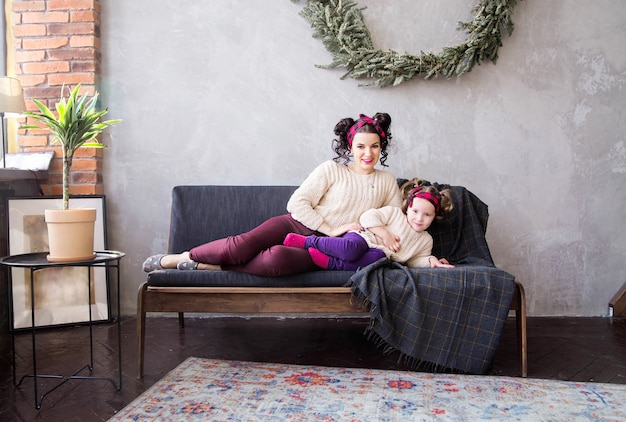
(110, 260)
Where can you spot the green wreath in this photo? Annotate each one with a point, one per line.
(341, 28)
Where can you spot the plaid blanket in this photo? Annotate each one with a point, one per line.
(448, 318)
(460, 237)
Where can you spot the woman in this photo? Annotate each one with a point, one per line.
(329, 202)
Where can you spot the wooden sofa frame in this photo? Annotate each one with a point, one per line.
(270, 300)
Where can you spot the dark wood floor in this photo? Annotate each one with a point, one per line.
(576, 349)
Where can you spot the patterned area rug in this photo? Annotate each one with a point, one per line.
(216, 390)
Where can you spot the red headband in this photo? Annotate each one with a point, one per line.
(419, 193)
(364, 120)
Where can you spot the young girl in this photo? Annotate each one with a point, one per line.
(387, 232)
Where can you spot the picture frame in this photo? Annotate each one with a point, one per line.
(61, 293)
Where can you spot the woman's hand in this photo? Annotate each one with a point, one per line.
(439, 263)
(339, 231)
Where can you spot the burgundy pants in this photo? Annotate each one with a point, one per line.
(348, 252)
(259, 251)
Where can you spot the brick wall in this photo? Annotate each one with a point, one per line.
(57, 42)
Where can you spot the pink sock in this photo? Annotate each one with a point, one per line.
(294, 240)
(320, 259)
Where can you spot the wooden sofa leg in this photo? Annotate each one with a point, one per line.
(141, 328)
(181, 320)
(520, 319)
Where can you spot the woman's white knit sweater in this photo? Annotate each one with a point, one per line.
(337, 195)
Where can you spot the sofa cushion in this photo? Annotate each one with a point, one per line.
(170, 278)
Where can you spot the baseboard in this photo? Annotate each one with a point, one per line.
(617, 305)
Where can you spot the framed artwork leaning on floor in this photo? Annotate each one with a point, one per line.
(62, 294)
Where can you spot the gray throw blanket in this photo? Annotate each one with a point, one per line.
(445, 318)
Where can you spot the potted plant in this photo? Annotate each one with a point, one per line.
(76, 124)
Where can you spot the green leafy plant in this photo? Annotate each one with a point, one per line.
(76, 124)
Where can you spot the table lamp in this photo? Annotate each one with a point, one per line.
(11, 101)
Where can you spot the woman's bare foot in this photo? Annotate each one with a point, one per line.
(171, 261)
(210, 267)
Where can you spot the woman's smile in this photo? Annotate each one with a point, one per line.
(366, 151)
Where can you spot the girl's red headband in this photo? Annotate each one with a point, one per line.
(364, 120)
(419, 193)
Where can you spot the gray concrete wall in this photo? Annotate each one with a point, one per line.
(226, 92)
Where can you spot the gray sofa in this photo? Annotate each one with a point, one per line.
(203, 213)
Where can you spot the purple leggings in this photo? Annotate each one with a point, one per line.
(259, 251)
(348, 252)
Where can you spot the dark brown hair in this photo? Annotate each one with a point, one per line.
(341, 146)
(444, 196)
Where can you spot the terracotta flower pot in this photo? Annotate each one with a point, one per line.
(71, 234)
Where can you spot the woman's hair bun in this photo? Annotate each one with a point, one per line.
(384, 120)
(342, 127)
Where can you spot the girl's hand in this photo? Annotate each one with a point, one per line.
(439, 263)
(391, 241)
